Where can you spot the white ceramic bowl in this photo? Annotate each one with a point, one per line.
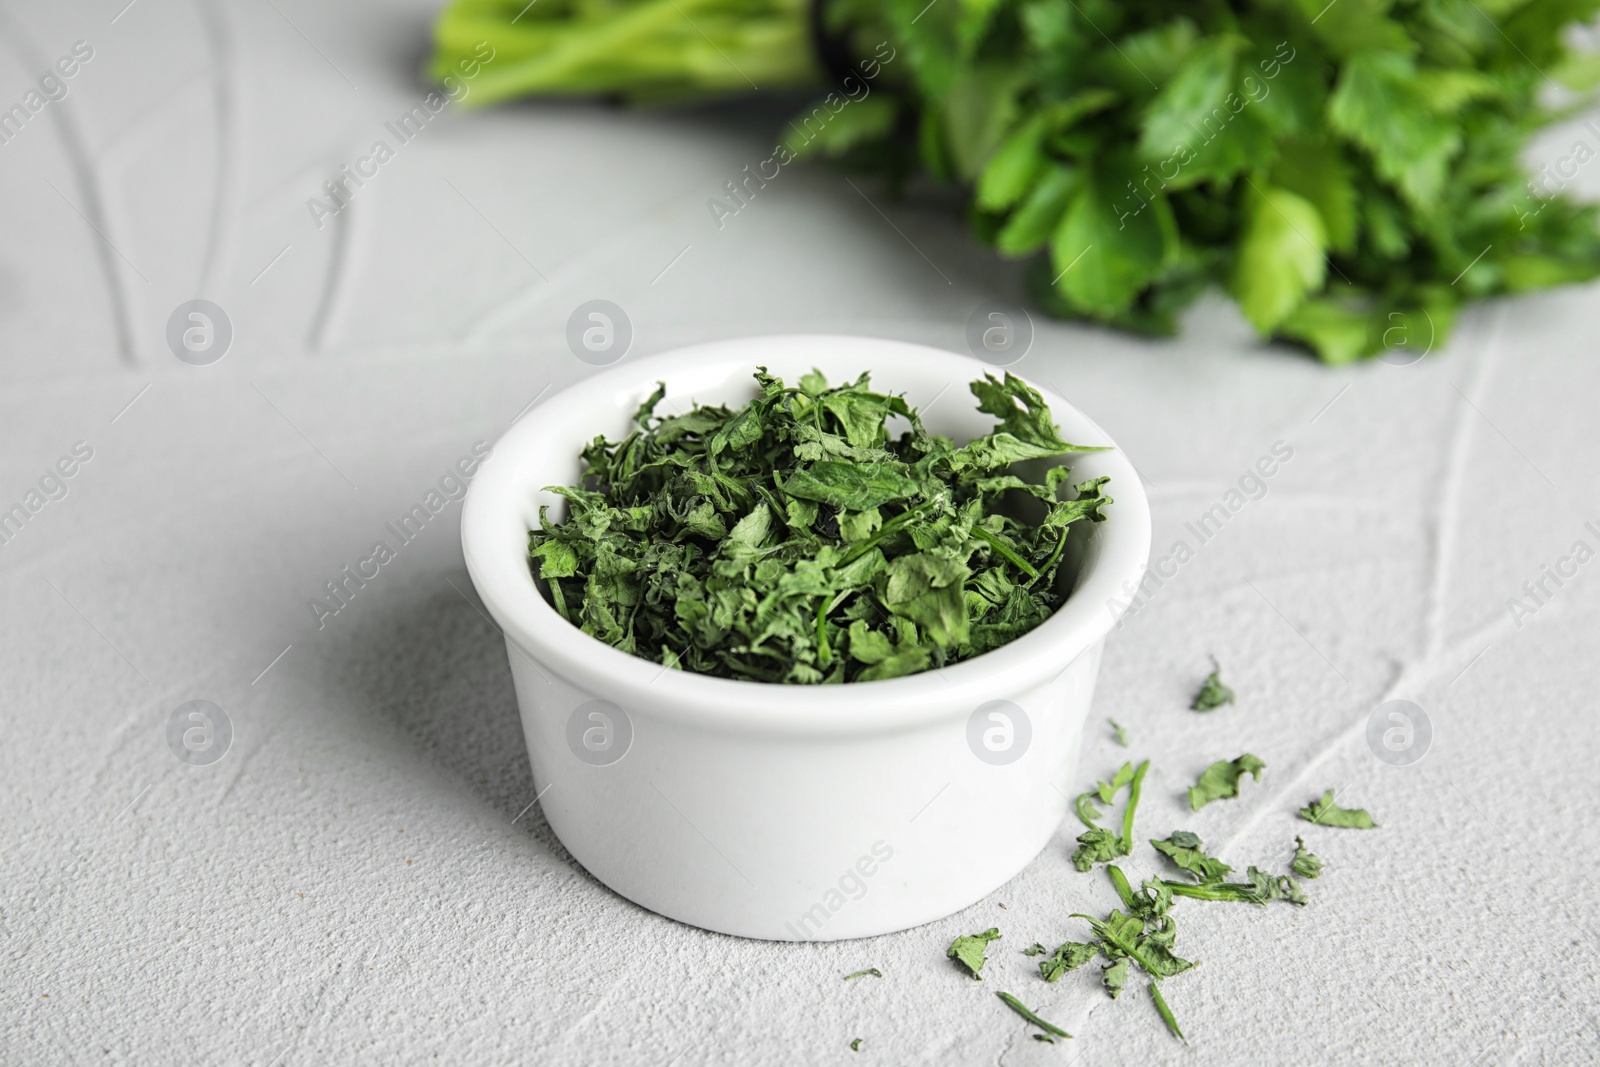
(794, 812)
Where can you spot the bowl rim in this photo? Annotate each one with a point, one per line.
(505, 583)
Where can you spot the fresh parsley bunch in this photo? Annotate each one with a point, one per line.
(1348, 170)
(794, 540)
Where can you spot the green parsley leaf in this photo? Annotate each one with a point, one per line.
(1067, 957)
(850, 485)
(970, 950)
(1304, 863)
(1280, 256)
(1031, 225)
(1109, 246)
(1035, 949)
(1186, 850)
(855, 1046)
(1017, 1006)
(1284, 887)
(1013, 168)
(1276, 887)
(1114, 976)
(1098, 845)
(1198, 92)
(1378, 105)
(1212, 694)
(1221, 780)
(1315, 169)
(1325, 812)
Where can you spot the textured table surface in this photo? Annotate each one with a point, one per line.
(361, 876)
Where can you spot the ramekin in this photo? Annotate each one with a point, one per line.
(790, 812)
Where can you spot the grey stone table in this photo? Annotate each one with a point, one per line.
(363, 875)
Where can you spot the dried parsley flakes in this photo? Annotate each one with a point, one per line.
(795, 540)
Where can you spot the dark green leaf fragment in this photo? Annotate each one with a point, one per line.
(1186, 850)
(862, 974)
(1098, 845)
(1017, 1006)
(1221, 780)
(1304, 863)
(1325, 812)
(1213, 694)
(970, 950)
(1067, 957)
(850, 485)
(855, 1046)
(1114, 976)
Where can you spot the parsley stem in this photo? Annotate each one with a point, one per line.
(1119, 881)
(1077, 807)
(1055, 557)
(555, 595)
(824, 653)
(1004, 552)
(1166, 1013)
(1237, 891)
(1127, 948)
(771, 499)
(1017, 1006)
(902, 519)
(1133, 804)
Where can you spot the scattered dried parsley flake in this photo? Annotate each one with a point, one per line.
(970, 950)
(1221, 780)
(1304, 863)
(1143, 935)
(1114, 976)
(1213, 694)
(1188, 852)
(862, 974)
(1067, 957)
(1119, 731)
(1325, 812)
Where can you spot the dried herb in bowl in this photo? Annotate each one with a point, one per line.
(795, 540)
